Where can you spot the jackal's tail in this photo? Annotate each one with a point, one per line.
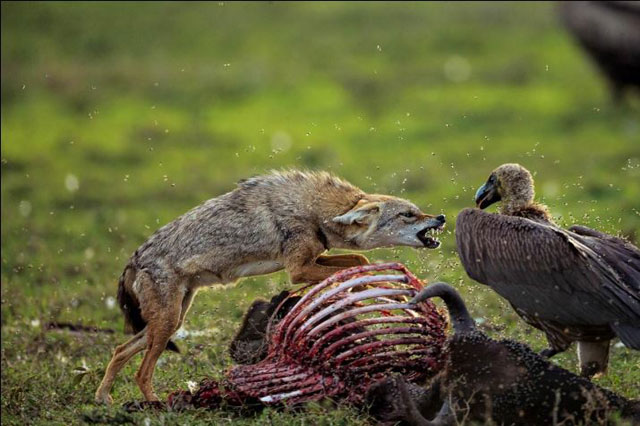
(133, 321)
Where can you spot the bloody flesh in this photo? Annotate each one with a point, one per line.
(351, 330)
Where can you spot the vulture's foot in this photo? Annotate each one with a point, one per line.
(591, 370)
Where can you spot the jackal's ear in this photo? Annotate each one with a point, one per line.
(361, 214)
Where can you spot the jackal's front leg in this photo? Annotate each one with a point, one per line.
(311, 272)
(305, 265)
(342, 260)
(324, 266)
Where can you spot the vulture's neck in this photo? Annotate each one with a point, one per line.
(533, 211)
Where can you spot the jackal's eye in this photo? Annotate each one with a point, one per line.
(407, 214)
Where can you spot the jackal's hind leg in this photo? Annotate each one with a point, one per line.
(186, 304)
(121, 356)
(159, 331)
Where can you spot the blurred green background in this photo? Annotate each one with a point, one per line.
(118, 117)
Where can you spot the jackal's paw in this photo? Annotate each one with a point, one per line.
(151, 397)
(103, 398)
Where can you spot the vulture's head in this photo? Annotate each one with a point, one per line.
(510, 183)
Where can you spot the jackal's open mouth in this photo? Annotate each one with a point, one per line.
(428, 236)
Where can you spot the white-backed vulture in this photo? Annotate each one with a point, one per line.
(575, 285)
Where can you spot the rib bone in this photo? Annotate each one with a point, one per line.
(352, 329)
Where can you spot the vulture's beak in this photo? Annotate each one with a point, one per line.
(487, 194)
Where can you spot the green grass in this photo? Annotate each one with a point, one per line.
(116, 118)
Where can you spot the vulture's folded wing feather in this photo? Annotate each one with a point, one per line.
(621, 255)
(545, 270)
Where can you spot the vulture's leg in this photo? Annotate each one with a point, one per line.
(594, 357)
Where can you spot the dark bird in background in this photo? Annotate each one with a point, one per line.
(610, 32)
(574, 285)
(501, 382)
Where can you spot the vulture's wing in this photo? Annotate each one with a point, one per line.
(551, 273)
(621, 255)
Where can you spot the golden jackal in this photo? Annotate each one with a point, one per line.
(283, 220)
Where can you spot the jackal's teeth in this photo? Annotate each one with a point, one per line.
(435, 231)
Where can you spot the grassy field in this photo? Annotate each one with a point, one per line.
(118, 117)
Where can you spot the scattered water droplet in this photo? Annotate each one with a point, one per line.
(24, 208)
(71, 182)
